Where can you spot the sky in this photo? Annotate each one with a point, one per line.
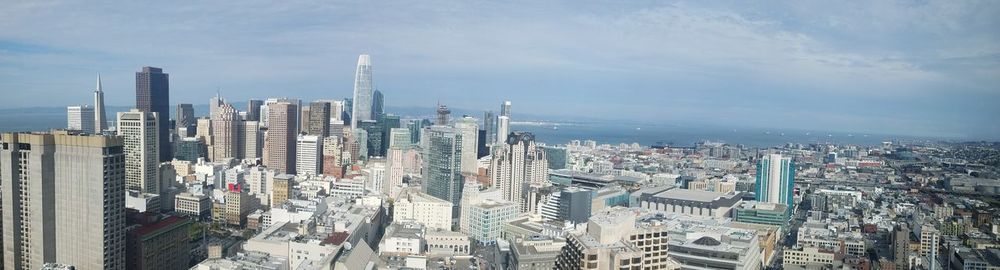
(922, 68)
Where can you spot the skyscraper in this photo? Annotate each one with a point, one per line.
(503, 128)
(184, 119)
(80, 118)
(361, 108)
(253, 109)
(214, 103)
(100, 115)
(61, 200)
(442, 115)
(490, 125)
(518, 164)
(399, 143)
(775, 179)
(152, 94)
(378, 102)
(505, 108)
(279, 141)
(319, 119)
(140, 130)
(252, 140)
(443, 164)
(308, 155)
(226, 130)
(469, 128)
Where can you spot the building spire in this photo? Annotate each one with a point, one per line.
(99, 86)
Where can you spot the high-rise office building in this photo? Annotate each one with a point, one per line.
(490, 125)
(304, 120)
(443, 113)
(399, 143)
(253, 109)
(279, 141)
(100, 113)
(361, 108)
(388, 122)
(319, 119)
(214, 103)
(308, 155)
(61, 200)
(184, 120)
(505, 108)
(503, 129)
(775, 179)
(442, 158)
(226, 131)
(252, 140)
(80, 118)
(140, 130)
(518, 164)
(378, 103)
(373, 130)
(152, 94)
(469, 127)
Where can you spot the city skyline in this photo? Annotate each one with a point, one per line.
(790, 69)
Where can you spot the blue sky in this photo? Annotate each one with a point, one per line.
(929, 68)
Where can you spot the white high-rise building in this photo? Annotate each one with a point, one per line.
(518, 164)
(503, 129)
(361, 109)
(308, 158)
(505, 109)
(64, 202)
(775, 179)
(469, 127)
(142, 152)
(100, 115)
(80, 118)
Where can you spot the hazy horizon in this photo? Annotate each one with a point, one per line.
(929, 68)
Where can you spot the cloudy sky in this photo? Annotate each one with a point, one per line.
(928, 68)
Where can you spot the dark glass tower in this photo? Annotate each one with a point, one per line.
(152, 94)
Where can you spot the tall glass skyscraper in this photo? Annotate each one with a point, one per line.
(443, 165)
(775, 179)
(152, 94)
(378, 102)
(361, 109)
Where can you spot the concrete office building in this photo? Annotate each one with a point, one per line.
(80, 118)
(470, 149)
(152, 94)
(61, 200)
(279, 142)
(308, 155)
(184, 120)
(319, 119)
(253, 109)
(252, 140)
(155, 243)
(227, 128)
(140, 131)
